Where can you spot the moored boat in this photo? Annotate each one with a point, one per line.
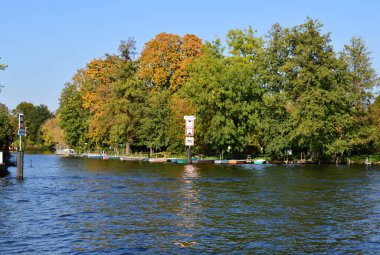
(259, 161)
(65, 152)
(236, 161)
(221, 161)
(127, 158)
(172, 160)
(114, 157)
(203, 161)
(182, 161)
(95, 155)
(157, 160)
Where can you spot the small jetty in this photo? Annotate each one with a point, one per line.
(160, 159)
(194, 160)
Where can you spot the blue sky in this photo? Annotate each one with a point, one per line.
(44, 42)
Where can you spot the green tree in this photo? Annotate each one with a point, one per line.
(118, 102)
(73, 117)
(38, 116)
(275, 121)
(360, 79)
(34, 117)
(125, 111)
(227, 92)
(362, 76)
(312, 86)
(156, 120)
(311, 93)
(375, 123)
(6, 130)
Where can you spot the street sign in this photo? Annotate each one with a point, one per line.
(189, 124)
(189, 121)
(189, 131)
(189, 141)
(20, 121)
(187, 117)
(21, 132)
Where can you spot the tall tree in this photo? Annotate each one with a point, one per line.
(73, 117)
(314, 94)
(227, 92)
(355, 132)
(275, 124)
(164, 58)
(362, 76)
(156, 120)
(117, 106)
(312, 84)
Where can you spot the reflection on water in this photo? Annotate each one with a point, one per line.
(79, 206)
(190, 206)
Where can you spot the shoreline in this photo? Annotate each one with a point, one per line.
(197, 160)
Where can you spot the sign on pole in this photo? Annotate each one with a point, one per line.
(189, 130)
(21, 132)
(189, 141)
(20, 121)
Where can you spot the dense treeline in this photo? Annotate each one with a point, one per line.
(35, 119)
(287, 91)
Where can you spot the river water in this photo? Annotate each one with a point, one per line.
(89, 206)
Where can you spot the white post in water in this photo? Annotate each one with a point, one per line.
(20, 156)
(189, 132)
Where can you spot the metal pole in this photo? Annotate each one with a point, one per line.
(20, 143)
(20, 165)
(189, 154)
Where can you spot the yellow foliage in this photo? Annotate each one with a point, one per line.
(164, 58)
(52, 133)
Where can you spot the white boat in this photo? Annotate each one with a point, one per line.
(65, 151)
(95, 155)
(157, 160)
(259, 161)
(221, 161)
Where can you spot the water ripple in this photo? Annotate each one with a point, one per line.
(79, 206)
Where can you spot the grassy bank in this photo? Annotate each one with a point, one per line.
(361, 159)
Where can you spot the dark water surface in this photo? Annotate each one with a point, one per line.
(79, 206)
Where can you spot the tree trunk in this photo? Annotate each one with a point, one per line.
(127, 148)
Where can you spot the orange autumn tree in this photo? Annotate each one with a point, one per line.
(164, 58)
(96, 80)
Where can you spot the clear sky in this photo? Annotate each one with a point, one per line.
(44, 42)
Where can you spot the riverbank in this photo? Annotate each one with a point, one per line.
(231, 159)
(161, 158)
